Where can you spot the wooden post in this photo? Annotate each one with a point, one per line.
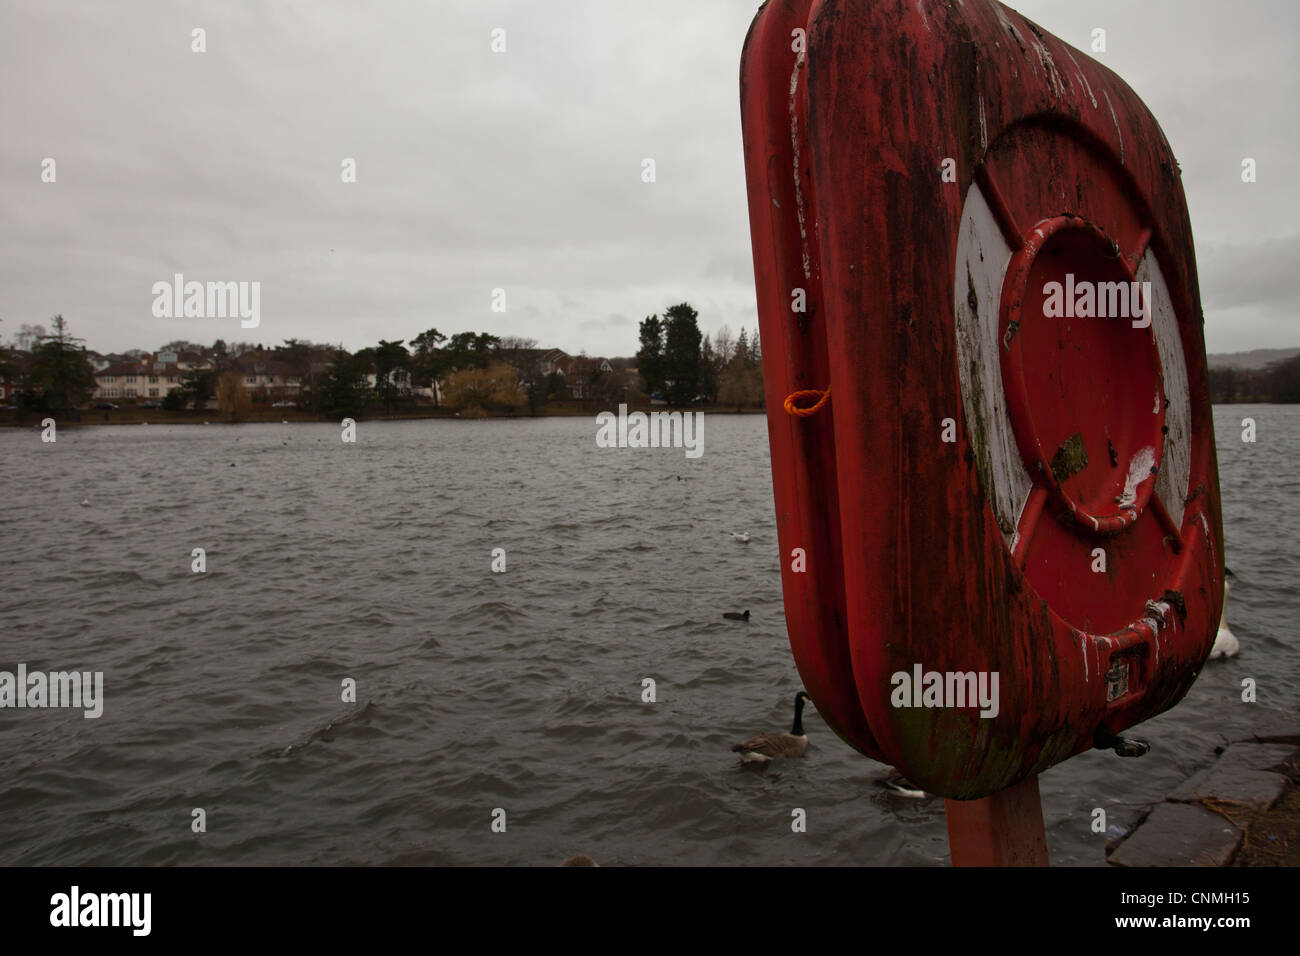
(1005, 829)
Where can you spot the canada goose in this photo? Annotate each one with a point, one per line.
(1225, 642)
(742, 536)
(764, 747)
(733, 616)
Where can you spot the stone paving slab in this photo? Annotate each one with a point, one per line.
(1256, 789)
(1243, 774)
(1275, 726)
(1179, 834)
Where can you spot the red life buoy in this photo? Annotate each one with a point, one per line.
(1015, 482)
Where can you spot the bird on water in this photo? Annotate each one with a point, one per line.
(896, 782)
(1225, 642)
(763, 748)
(733, 616)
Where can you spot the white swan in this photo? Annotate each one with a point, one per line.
(1225, 642)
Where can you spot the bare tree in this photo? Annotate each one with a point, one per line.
(724, 346)
(28, 336)
(526, 359)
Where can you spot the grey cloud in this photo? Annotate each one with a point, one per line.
(519, 170)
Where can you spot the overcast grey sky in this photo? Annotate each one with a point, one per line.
(519, 170)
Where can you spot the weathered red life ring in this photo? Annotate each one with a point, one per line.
(928, 307)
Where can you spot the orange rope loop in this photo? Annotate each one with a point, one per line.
(793, 409)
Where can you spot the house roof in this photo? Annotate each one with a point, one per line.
(260, 363)
(140, 368)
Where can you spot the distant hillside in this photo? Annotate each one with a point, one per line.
(1264, 375)
(1255, 359)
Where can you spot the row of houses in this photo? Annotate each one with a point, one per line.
(153, 376)
(142, 376)
(576, 372)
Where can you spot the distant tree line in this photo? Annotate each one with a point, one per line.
(1278, 382)
(682, 367)
(472, 373)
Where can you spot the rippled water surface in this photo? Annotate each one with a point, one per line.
(477, 690)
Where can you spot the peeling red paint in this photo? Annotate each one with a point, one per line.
(906, 561)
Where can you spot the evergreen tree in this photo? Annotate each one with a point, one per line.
(389, 357)
(429, 363)
(470, 350)
(650, 357)
(297, 354)
(60, 369)
(708, 371)
(9, 371)
(198, 385)
(681, 367)
(344, 390)
(755, 354)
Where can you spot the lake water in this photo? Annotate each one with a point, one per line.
(476, 690)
